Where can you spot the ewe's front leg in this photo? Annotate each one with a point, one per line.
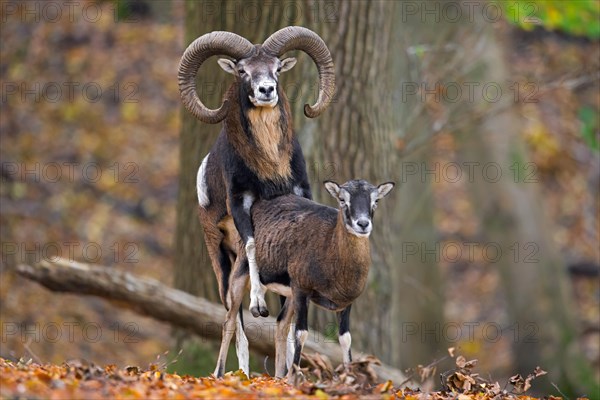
(240, 211)
(344, 334)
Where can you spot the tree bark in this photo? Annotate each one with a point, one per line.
(151, 298)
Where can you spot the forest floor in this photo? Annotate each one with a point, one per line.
(77, 380)
(118, 159)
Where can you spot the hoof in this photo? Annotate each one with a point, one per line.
(259, 312)
(294, 377)
(264, 311)
(219, 371)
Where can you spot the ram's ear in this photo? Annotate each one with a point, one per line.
(227, 65)
(333, 189)
(287, 64)
(384, 189)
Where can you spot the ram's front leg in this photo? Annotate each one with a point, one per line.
(240, 211)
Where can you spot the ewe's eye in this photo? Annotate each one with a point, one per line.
(342, 202)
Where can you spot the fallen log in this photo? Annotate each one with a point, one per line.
(151, 298)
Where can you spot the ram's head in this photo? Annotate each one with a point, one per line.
(257, 67)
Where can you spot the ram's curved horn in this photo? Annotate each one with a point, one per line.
(208, 45)
(299, 38)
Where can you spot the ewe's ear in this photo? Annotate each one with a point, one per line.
(227, 65)
(384, 189)
(333, 189)
(287, 64)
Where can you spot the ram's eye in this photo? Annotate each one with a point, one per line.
(342, 202)
(241, 71)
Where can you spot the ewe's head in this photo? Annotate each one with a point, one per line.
(357, 200)
(258, 75)
(256, 66)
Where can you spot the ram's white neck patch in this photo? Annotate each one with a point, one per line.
(201, 187)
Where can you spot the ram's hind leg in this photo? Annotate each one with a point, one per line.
(242, 348)
(219, 255)
(233, 324)
(238, 287)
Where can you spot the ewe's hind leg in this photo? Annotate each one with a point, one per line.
(301, 332)
(232, 321)
(281, 338)
(344, 334)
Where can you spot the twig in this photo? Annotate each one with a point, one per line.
(33, 355)
(573, 83)
(265, 366)
(561, 393)
(432, 364)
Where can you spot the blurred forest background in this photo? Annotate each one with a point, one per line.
(486, 114)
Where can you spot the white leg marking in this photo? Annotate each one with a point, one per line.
(201, 187)
(289, 354)
(257, 289)
(345, 343)
(241, 347)
(300, 339)
(248, 200)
